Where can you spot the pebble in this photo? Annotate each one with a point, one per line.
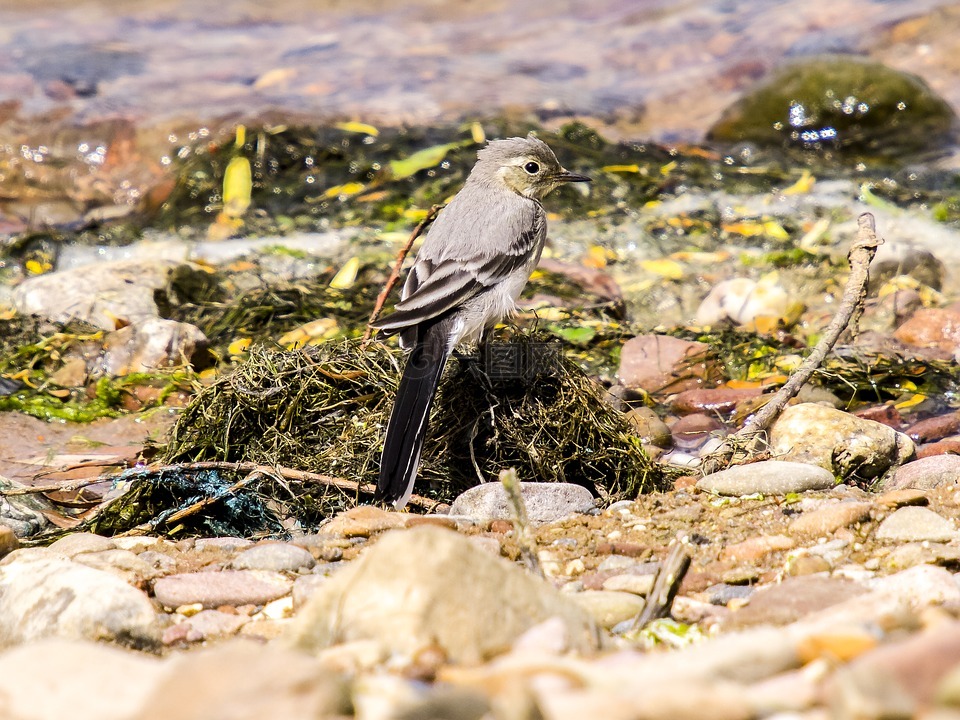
(636, 584)
(546, 502)
(915, 524)
(661, 363)
(755, 548)
(723, 593)
(150, 344)
(648, 426)
(81, 542)
(769, 477)
(363, 521)
(885, 414)
(305, 586)
(609, 607)
(274, 556)
(227, 587)
(829, 518)
(53, 596)
(743, 301)
(926, 473)
(838, 441)
(932, 327)
(793, 599)
(900, 498)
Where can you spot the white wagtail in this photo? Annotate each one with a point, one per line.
(472, 266)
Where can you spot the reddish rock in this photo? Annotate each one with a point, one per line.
(718, 400)
(934, 428)
(886, 414)
(947, 446)
(793, 599)
(902, 498)
(691, 431)
(660, 364)
(828, 519)
(755, 548)
(926, 474)
(229, 587)
(932, 327)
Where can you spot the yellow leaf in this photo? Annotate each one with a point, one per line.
(37, 267)
(357, 127)
(664, 267)
(668, 168)
(310, 333)
(598, 257)
(277, 76)
(345, 190)
(239, 346)
(373, 196)
(775, 230)
(621, 168)
(347, 275)
(417, 214)
(911, 401)
(393, 236)
(241, 136)
(237, 186)
(477, 133)
(803, 185)
(421, 160)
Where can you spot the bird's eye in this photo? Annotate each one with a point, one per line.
(532, 167)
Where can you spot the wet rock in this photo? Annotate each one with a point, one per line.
(432, 587)
(151, 345)
(274, 556)
(648, 426)
(52, 678)
(769, 477)
(934, 428)
(793, 599)
(744, 302)
(844, 444)
(54, 597)
(227, 587)
(246, 681)
(916, 524)
(906, 260)
(947, 446)
(716, 400)
(932, 327)
(660, 363)
(828, 519)
(926, 473)
(839, 102)
(102, 293)
(886, 414)
(898, 678)
(691, 431)
(545, 502)
(609, 607)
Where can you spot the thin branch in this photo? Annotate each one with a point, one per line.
(521, 523)
(250, 468)
(397, 269)
(848, 313)
(665, 585)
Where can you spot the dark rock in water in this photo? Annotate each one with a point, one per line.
(840, 103)
(83, 66)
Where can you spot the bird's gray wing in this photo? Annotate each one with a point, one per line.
(435, 288)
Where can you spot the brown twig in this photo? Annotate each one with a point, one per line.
(397, 269)
(251, 468)
(665, 585)
(521, 523)
(848, 313)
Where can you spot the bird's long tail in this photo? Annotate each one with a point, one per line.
(407, 428)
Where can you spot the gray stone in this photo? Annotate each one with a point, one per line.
(847, 446)
(148, 345)
(432, 587)
(545, 502)
(131, 568)
(769, 477)
(926, 473)
(52, 678)
(915, 524)
(227, 587)
(101, 293)
(56, 597)
(274, 556)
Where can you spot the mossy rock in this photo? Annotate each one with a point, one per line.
(840, 103)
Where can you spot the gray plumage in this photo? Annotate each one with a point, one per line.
(474, 262)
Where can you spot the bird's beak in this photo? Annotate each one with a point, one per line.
(565, 176)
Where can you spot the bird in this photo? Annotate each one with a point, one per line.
(473, 264)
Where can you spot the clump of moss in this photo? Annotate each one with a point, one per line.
(323, 409)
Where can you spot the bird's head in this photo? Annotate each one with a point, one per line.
(526, 166)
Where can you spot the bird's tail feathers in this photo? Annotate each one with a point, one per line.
(407, 428)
